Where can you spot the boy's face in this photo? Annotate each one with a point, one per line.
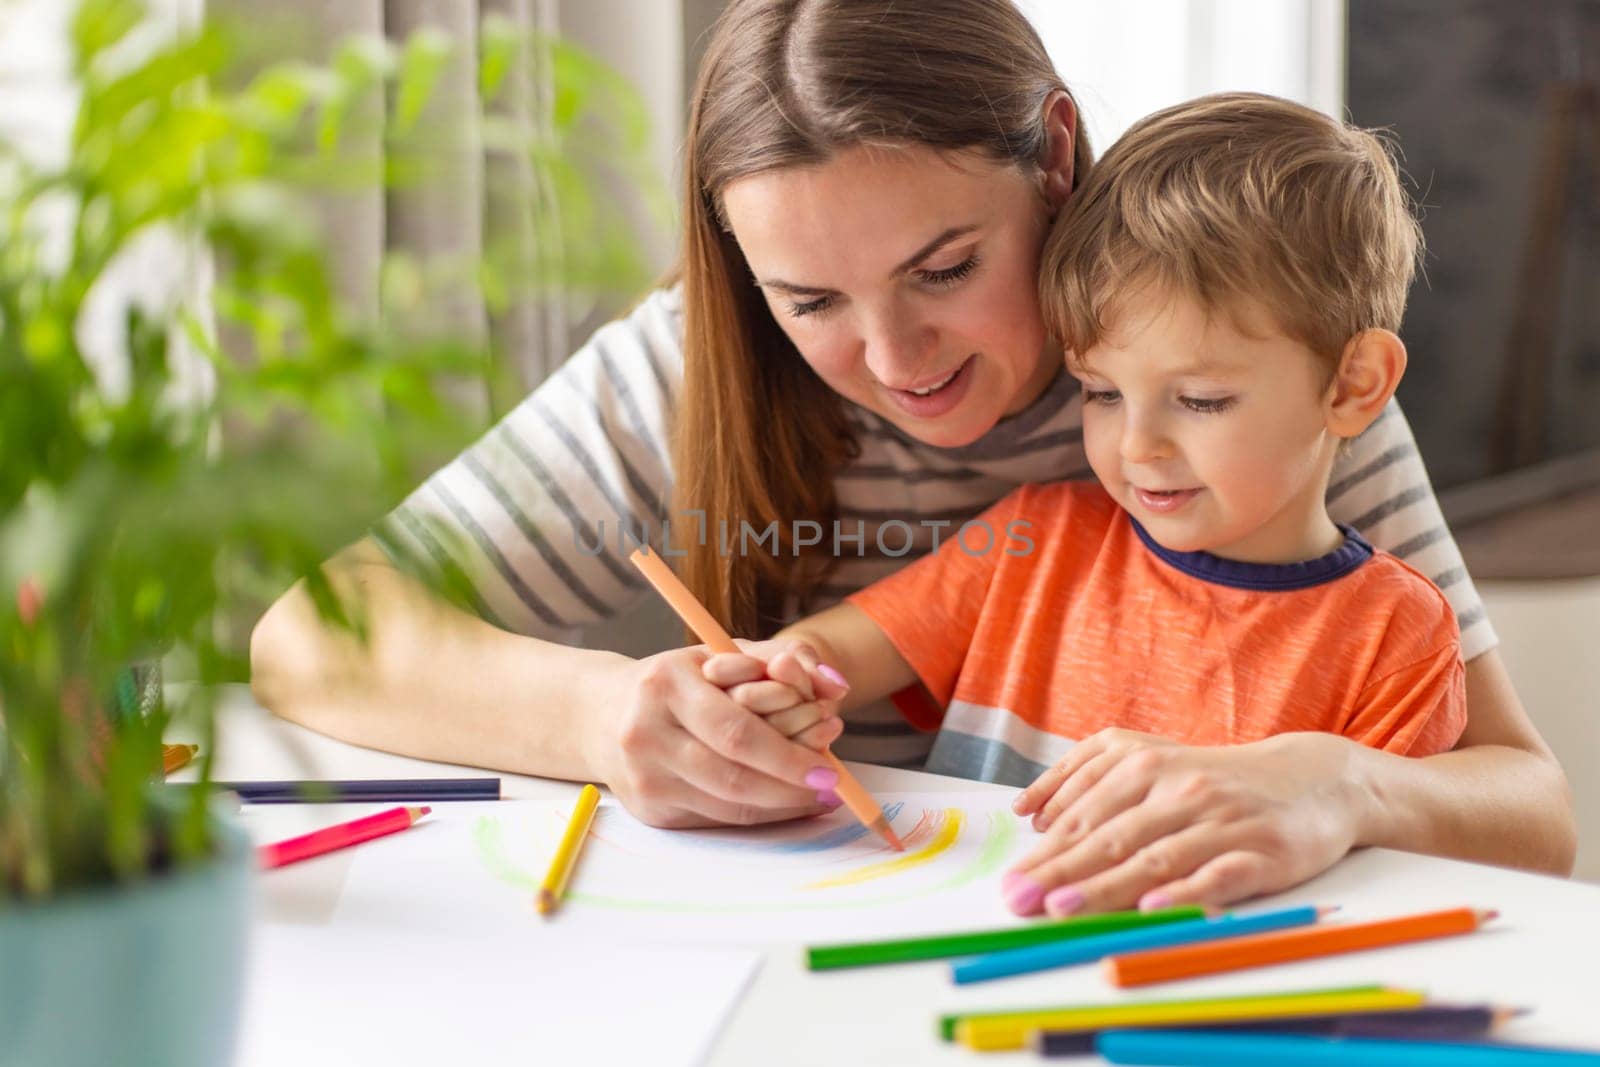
(1213, 438)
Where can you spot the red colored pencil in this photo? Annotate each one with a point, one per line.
(342, 835)
(1284, 946)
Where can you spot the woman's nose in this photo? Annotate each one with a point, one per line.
(897, 351)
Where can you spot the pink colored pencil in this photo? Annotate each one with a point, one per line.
(342, 835)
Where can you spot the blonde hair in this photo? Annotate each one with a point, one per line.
(1231, 198)
(786, 83)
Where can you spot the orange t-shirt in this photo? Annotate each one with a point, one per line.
(1074, 620)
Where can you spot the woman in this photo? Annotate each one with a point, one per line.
(854, 361)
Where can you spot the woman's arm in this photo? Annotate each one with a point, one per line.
(1499, 796)
(1135, 819)
(437, 683)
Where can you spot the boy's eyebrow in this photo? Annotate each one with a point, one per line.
(1208, 365)
(1201, 367)
(922, 253)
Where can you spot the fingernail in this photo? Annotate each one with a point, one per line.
(829, 798)
(822, 778)
(1064, 901)
(832, 675)
(1024, 896)
(1154, 900)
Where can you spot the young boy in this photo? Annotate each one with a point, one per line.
(1226, 285)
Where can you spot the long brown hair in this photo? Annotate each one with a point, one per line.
(758, 436)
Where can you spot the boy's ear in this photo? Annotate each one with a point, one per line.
(1370, 367)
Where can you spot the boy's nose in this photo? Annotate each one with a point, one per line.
(1143, 442)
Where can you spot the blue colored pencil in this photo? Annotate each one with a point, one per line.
(1087, 949)
(1189, 1048)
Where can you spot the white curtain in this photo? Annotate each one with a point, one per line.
(1125, 60)
(471, 191)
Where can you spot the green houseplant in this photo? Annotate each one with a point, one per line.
(141, 506)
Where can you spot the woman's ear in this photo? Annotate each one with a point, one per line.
(1370, 367)
(1060, 148)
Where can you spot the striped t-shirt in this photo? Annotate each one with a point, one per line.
(1060, 616)
(531, 513)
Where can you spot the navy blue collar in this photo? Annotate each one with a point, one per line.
(1265, 577)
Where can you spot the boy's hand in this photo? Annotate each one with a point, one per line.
(784, 682)
(1133, 819)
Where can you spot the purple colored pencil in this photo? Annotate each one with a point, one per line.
(1428, 1022)
(364, 790)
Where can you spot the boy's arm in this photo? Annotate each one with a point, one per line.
(845, 638)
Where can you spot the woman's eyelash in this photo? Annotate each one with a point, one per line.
(809, 307)
(1208, 405)
(947, 276)
(950, 274)
(1101, 396)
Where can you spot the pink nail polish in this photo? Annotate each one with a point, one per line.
(1155, 900)
(832, 675)
(821, 778)
(1066, 900)
(1025, 895)
(829, 798)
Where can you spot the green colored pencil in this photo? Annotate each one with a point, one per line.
(976, 942)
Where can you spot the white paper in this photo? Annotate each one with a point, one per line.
(476, 867)
(341, 996)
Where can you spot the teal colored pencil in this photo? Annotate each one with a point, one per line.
(1188, 1048)
(939, 946)
(1085, 950)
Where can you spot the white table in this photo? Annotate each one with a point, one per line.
(1543, 953)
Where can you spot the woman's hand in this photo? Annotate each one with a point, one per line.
(1134, 819)
(678, 751)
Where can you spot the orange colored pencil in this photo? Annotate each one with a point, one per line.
(176, 757)
(706, 627)
(1284, 946)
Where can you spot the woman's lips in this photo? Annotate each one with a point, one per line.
(1164, 502)
(941, 400)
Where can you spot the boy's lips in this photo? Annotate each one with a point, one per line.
(1163, 501)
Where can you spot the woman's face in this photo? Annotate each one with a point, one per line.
(907, 279)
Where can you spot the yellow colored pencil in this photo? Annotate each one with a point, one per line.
(1013, 1030)
(710, 631)
(566, 857)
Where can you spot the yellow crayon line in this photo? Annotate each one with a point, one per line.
(947, 837)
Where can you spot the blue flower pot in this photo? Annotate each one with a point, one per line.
(143, 975)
